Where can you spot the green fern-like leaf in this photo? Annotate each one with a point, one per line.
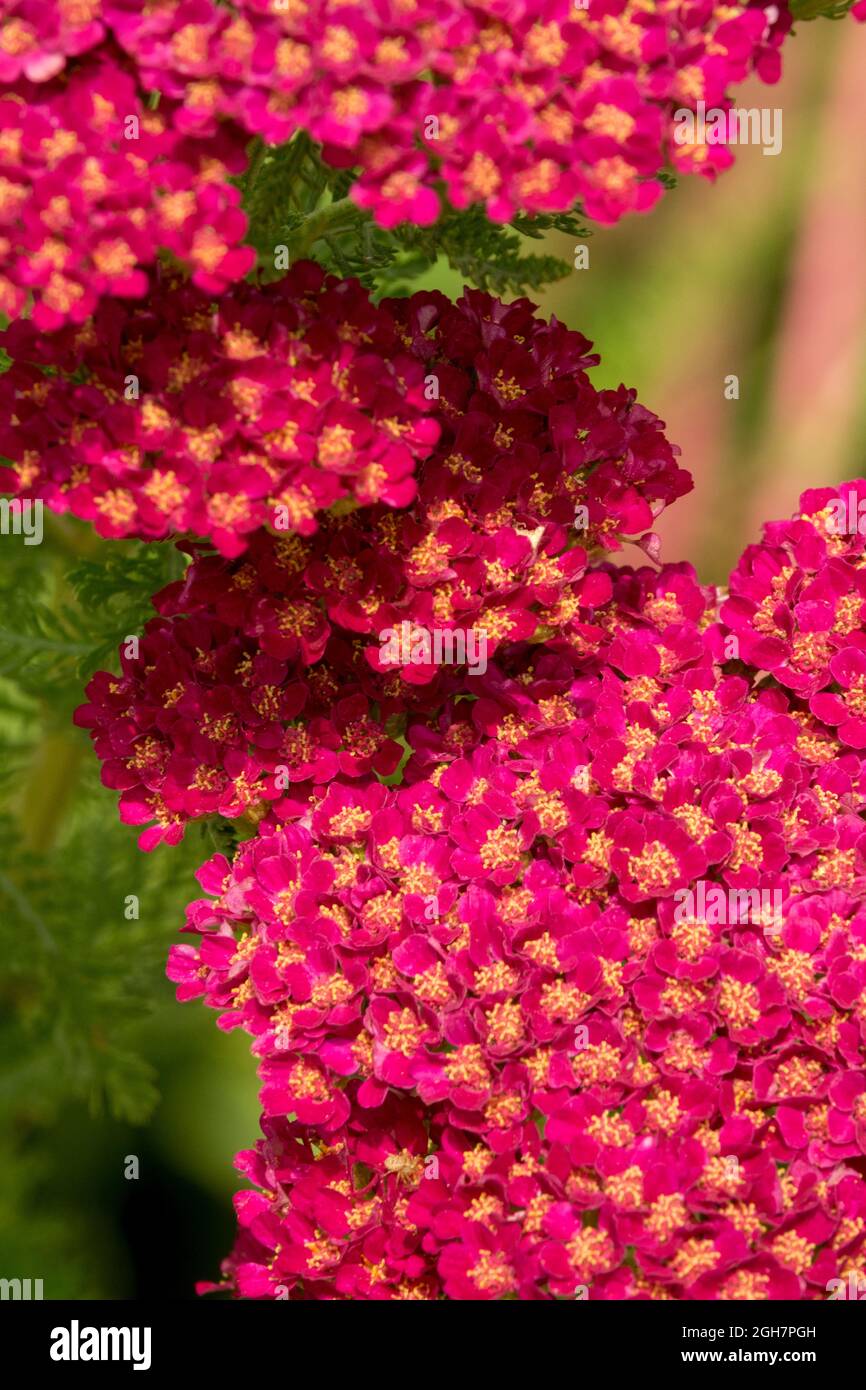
(820, 9)
(57, 627)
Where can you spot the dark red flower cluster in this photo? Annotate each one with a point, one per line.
(514, 105)
(178, 414)
(233, 704)
(204, 721)
(578, 1004)
(253, 663)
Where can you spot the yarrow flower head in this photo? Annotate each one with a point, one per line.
(478, 984)
(797, 603)
(268, 406)
(506, 106)
(533, 475)
(532, 991)
(94, 180)
(185, 414)
(123, 127)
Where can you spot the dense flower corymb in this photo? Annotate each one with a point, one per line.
(238, 699)
(797, 600)
(518, 1054)
(533, 472)
(93, 181)
(515, 108)
(216, 417)
(268, 406)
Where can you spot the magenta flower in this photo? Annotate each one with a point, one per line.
(848, 709)
(94, 180)
(519, 942)
(518, 112)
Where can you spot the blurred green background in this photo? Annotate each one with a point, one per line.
(762, 276)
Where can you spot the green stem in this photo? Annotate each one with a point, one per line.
(73, 536)
(324, 222)
(28, 912)
(255, 167)
(49, 786)
(814, 9)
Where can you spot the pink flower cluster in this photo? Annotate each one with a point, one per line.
(180, 414)
(796, 604)
(506, 1049)
(512, 105)
(94, 179)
